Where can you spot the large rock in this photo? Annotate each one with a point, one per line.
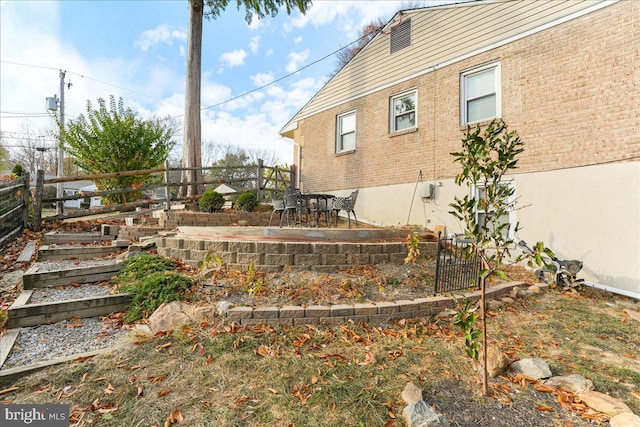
(604, 403)
(626, 419)
(222, 308)
(420, 414)
(497, 361)
(533, 368)
(417, 413)
(632, 314)
(534, 289)
(170, 316)
(573, 383)
(516, 293)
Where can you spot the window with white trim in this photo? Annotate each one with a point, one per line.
(403, 109)
(346, 132)
(477, 192)
(480, 94)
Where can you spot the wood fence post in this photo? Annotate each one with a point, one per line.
(25, 201)
(167, 187)
(259, 181)
(37, 205)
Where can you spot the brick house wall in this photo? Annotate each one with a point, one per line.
(570, 91)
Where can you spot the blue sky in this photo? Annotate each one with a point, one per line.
(136, 49)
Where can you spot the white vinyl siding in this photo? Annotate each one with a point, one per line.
(346, 132)
(480, 94)
(403, 110)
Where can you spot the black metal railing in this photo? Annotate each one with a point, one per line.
(457, 266)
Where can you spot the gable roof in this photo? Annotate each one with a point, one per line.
(441, 35)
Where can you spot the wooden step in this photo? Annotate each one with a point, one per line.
(47, 253)
(21, 315)
(61, 238)
(34, 278)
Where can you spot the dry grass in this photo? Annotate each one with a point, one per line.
(349, 375)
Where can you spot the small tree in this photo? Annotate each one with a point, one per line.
(18, 170)
(486, 156)
(115, 139)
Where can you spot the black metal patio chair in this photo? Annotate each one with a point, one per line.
(294, 205)
(346, 204)
(278, 206)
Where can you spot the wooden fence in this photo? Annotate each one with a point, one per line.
(259, 178)
(14, 208)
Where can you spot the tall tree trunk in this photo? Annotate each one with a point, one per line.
(191, 150)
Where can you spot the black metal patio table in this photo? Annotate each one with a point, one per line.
(318, 197)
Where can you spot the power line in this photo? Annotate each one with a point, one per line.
(92, 79)
(233, 98)
(282, 77)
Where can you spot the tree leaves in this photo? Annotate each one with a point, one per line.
(116, 139)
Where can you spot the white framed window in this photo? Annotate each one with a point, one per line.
(403, 110)
(480, 97)
(477, 192)
(346, 132)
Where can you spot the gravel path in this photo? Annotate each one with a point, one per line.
(65, 293)
(68, 337)
(55, 265)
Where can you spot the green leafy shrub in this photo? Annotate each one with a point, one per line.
(466, 318)
(138, 267)
(211, 201)
(152, 291)
(18, 170)
(247, 202)
(150, 280)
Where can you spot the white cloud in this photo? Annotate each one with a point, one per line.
(234, 58)
(160, 34)
(254, 44)
(255, 24)
(346, 16)
(262, 79)
(298, 40)
(296, 60)
(269, 52)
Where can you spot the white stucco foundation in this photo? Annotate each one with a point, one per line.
(589, 213)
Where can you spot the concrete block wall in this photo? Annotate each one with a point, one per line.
(269, 256)
(172, 219)
(375, 313)
(135, 232)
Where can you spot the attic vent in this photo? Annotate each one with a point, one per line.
(401, 36)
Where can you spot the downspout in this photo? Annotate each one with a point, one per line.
(299, 160)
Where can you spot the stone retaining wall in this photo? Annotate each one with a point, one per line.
(172, 219)
(135, 232)
(338, 314)
(270, 256)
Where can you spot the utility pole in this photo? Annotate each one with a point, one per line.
(52, 105)
(59, 187)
